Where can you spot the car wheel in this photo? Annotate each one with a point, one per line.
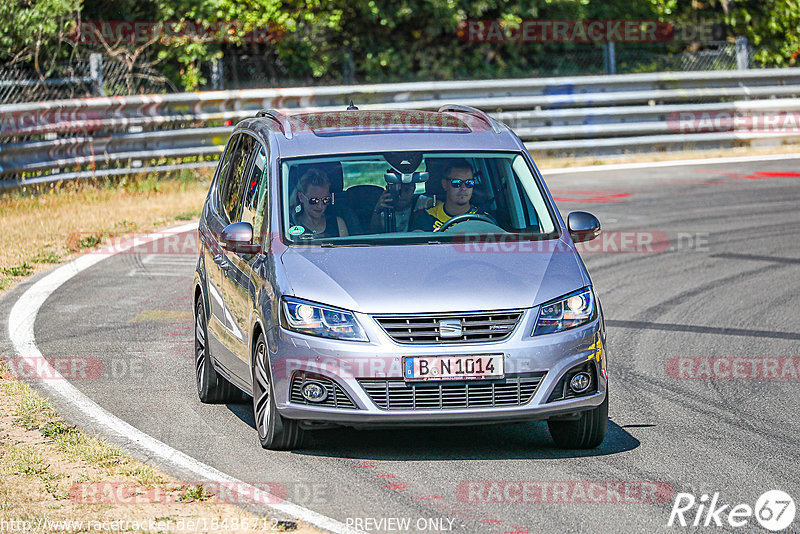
(587, 432)
(212, 388)
(274, 432)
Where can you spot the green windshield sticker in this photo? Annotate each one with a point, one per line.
(296, 230)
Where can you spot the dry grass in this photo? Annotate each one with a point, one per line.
(31, 410)
(47, 467)
(57, 222)
(42, 457)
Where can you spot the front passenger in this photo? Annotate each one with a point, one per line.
(313, 197)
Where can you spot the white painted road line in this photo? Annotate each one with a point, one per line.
(20, 330)
(162, 265)
(675, 163)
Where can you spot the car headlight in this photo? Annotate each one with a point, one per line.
(571, 310)
(319, 320)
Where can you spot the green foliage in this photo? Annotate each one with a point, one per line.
(57, 428)
(189, 53)
(36, 32)
(194, 493)
(188, 216)
(46, 256)
(17, 270)
(772, 26)
(346, 41)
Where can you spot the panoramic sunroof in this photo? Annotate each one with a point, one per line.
(349, 123)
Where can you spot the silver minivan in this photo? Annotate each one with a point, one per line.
(394, 268)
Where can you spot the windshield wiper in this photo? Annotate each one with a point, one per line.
(331, 245)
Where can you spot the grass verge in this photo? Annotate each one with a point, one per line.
(47, 466)
(50, 469)
(53, 223)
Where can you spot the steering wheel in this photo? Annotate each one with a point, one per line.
(464, 217)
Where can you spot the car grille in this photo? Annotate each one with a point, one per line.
(336, 398)
(396, 394)
(475, 327)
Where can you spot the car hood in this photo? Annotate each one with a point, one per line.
(433, 277)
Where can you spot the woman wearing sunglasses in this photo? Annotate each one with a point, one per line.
(311, 213)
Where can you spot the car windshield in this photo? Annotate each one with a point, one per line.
(412, 197)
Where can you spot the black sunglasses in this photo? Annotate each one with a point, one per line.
(469, 184)
(314, 201)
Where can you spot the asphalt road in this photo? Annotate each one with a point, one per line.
(716, 275)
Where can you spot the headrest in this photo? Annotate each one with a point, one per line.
(435, 168)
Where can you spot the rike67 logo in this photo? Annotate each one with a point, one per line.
(774, 510)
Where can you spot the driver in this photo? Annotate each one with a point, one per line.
(457, 184)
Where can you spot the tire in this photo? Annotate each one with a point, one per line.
(212, 388)
(274, 431)
(587, 432)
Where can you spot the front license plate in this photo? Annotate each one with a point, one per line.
(453, 367)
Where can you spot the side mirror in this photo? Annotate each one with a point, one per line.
(583, 226)
(238, 237)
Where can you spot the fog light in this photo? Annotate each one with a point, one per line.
(580, 382)
(314, 392)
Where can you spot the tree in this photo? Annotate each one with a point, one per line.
(772, 26)
(37, 33)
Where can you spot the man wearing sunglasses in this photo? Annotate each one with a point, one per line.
(458, 185)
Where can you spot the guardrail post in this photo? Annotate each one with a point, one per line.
(96, 73)
(216, 74)
(348, 67)
(742, 54)
(609, 58)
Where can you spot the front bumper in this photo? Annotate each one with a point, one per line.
(346, 363)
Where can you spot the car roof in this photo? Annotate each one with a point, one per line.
(455, 128)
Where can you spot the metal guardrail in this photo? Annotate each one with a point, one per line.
(42, 142)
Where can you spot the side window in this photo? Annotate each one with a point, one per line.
(257, 189)
(225, 166)
(232, 187)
